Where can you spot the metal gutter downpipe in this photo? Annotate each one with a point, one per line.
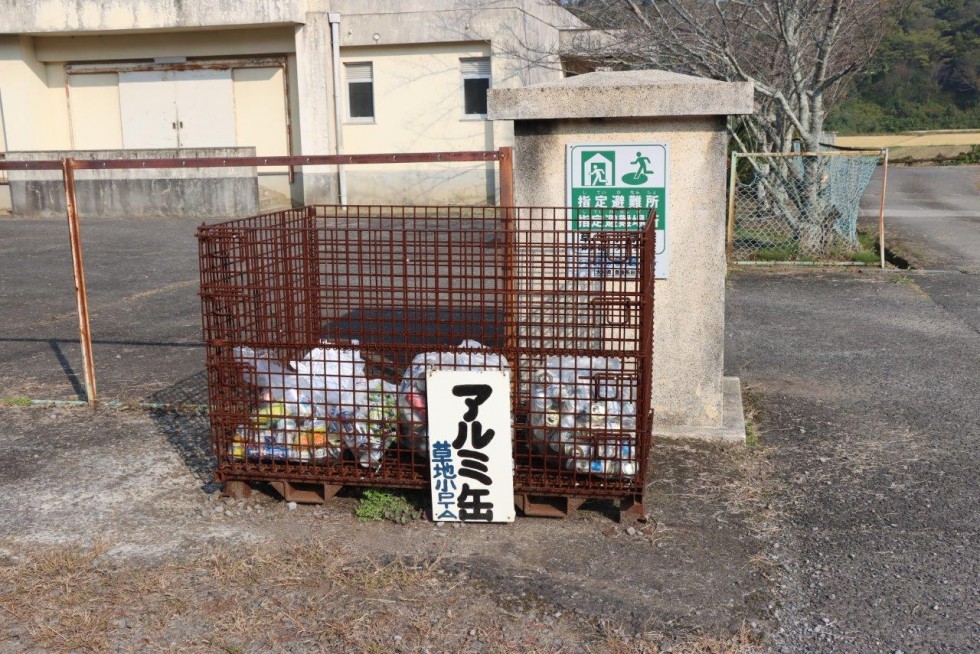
(334, 18)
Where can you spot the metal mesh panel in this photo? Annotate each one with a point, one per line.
(798, 206)
(320, 324)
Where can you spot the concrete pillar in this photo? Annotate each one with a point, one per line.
(690, 396)
(315, 94)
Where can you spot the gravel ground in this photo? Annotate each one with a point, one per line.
(110, 516)
(866, 386)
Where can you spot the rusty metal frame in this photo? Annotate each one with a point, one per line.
(223, 63)
(881, 211)
(78, 272)
(6, 143)
(229, 162)
(244, 274)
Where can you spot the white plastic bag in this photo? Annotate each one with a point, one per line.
(412, 407)
(277, 384)
(374, 427)
(332, 373)
(305, 412)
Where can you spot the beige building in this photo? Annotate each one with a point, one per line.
(284, 77)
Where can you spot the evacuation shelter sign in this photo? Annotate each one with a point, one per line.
(613, 187)
(471, 461)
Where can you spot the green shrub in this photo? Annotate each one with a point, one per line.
(386, 505)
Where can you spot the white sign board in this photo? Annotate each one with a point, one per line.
(613, 186)
(471, 461)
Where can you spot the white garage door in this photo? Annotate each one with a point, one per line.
(177, 109)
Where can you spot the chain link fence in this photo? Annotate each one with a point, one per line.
(797, 206)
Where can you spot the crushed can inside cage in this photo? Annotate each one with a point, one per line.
(322, 323)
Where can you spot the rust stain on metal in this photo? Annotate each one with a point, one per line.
(209, 64)
(289, 117)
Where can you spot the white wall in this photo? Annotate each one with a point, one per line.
(38, 16)
(418, 92)
(418, 96)
(35, 109)
(260, 120)
(95, 118)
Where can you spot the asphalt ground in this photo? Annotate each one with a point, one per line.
(866, 388)
(144, 310)
(932, 215)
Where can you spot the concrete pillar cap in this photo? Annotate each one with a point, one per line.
(623, 94)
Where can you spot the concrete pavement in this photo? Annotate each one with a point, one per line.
(865, 385)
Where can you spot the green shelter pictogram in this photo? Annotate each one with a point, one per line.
(615, 186)
(599, 168)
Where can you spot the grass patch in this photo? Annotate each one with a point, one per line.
(394, 573)
(763, 247)
(865, 257)
(387, 505)
(295, 594)
(868, 250)
(288, 596)
(784, 253)
(751, 425)
(17, 400)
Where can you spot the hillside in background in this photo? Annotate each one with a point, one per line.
(926, 74)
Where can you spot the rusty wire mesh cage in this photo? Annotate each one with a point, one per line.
(321, 322)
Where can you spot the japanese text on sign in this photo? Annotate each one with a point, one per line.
(471, 460)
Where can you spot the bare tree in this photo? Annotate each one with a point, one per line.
(799, 55)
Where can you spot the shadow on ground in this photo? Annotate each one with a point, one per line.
(183, 420)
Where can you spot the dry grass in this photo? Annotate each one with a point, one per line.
(742, 642)
(314, 596)
(746, 489)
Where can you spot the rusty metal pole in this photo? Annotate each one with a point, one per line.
(78, 270)
(631, 509)
(881, 213)
(730, 234)
(506, 204)
(506, 177)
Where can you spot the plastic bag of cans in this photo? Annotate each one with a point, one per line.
(374, 427)
(589, 422)
(412, 409)
(316, 407)
(274, 434)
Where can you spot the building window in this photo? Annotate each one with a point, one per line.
(476, 81)
(360, 91)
